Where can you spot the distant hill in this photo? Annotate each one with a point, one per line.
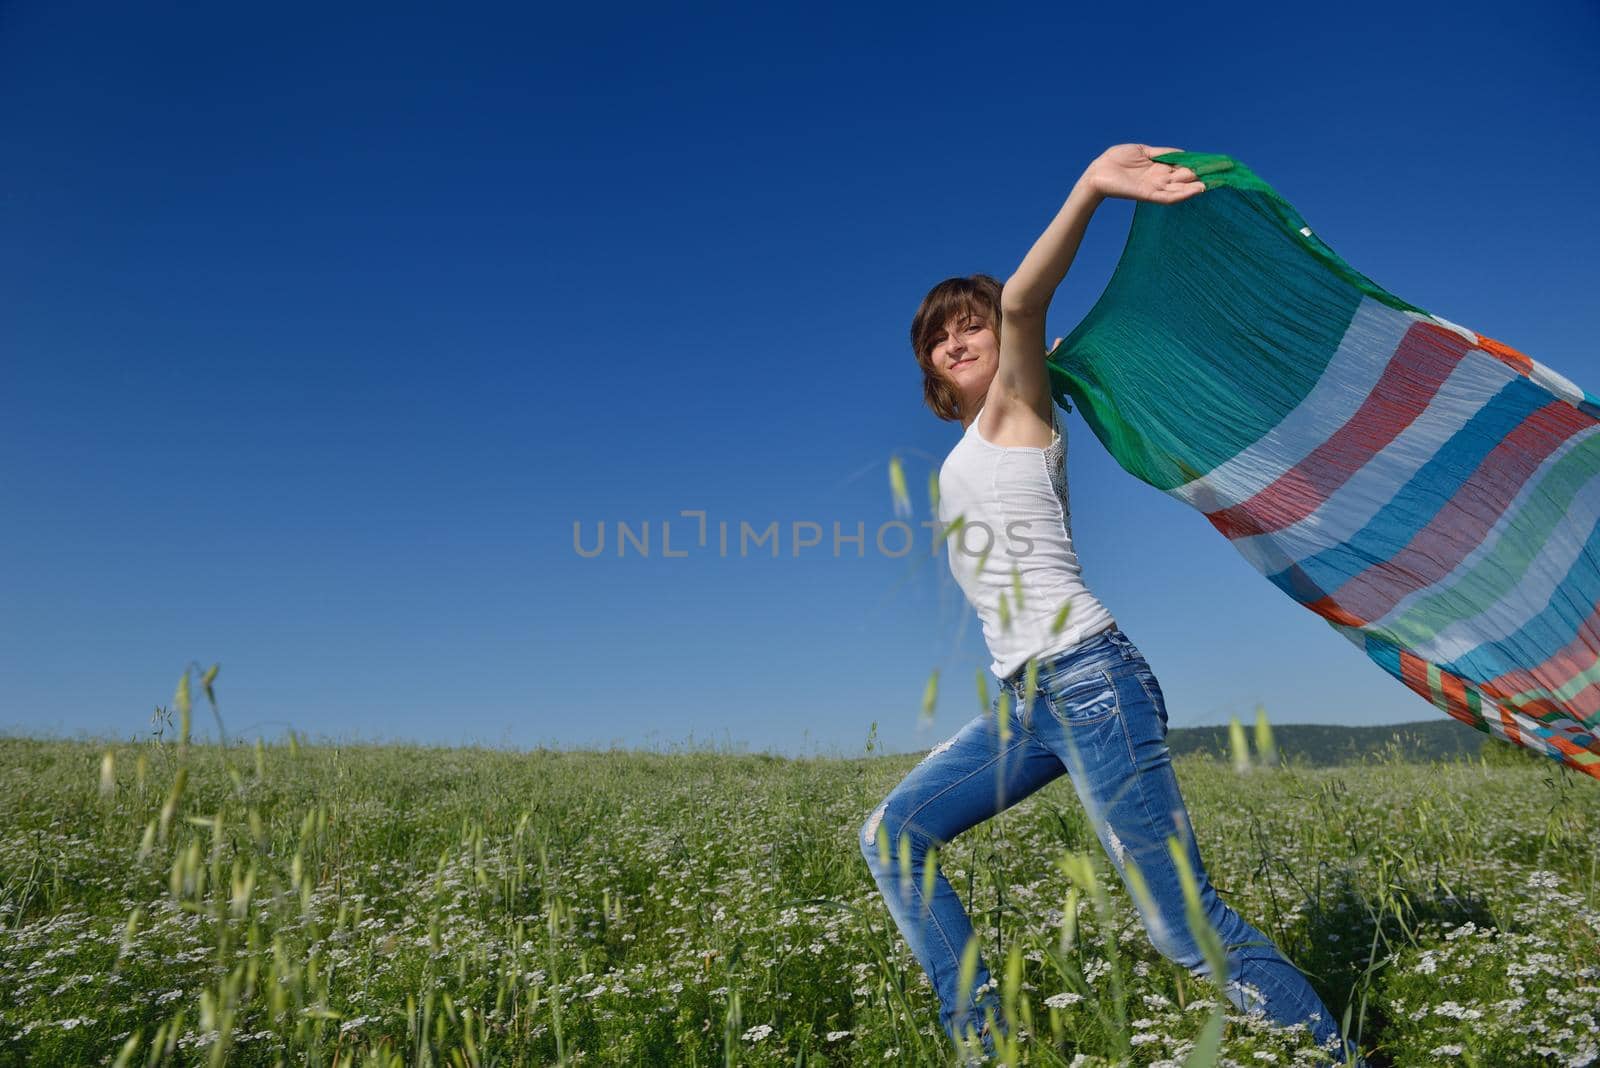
(1322, 744)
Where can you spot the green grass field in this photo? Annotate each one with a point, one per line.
(291, 904)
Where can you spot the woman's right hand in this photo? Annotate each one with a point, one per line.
(1128, 171)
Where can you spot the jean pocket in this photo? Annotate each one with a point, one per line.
(1084, 700)
(1149, 689)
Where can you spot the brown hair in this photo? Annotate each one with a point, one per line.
(977, 295)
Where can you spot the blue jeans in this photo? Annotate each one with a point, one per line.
(1098, 714)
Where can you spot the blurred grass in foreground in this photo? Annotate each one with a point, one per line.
(296, 904)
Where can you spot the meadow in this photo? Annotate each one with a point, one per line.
(164, 902)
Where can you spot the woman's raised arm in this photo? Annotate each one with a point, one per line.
(1120, 171)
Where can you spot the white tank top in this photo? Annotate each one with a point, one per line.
(1013, 500)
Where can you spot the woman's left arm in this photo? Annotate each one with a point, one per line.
(1120, 171)
(1028, 291)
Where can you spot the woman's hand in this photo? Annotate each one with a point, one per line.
(1128, 171)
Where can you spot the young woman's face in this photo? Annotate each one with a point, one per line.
(967, 352)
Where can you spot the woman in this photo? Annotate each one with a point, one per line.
(1095, 710)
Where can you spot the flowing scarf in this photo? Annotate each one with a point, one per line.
(1430, 492)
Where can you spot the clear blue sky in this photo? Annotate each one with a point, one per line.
(323, 325)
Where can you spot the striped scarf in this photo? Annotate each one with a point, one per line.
(1430, 492)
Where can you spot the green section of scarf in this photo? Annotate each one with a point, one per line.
(1222, 313)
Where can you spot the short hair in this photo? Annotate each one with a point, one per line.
(977, 295)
